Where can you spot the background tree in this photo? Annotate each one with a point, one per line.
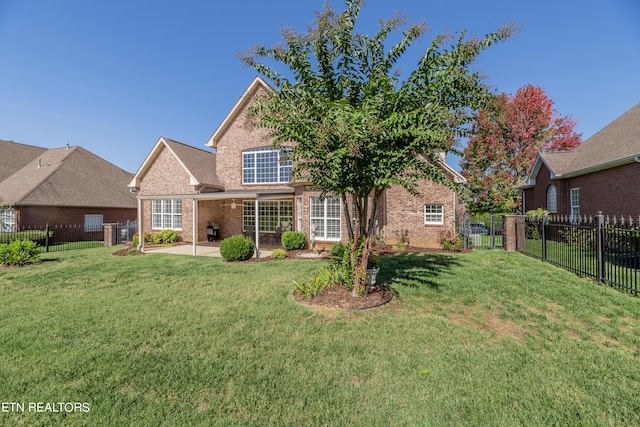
(506, 138)
(355, 126)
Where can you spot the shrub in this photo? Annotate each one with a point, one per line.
(165, 236)
(135, 240)
(293, 240)
(279, 254)
(337, 250)
(19, 252)
(236, 248)
(450, 240)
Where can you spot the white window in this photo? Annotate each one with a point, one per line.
(271, 215)
(434, 214)
(7, 220)
(299, 209)
(93, 222)
(265, 166)
(574, 196)
(325, 216)
(166, 214)
(552, 205)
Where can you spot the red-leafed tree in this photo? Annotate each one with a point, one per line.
(506, 138)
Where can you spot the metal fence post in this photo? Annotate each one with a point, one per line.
(491, 232)
(600, 247)
(46, 238)
(543, 231)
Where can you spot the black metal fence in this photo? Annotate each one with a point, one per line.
(483, 233)
(67, 237)
(606, 249)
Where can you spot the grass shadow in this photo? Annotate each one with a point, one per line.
(415, 270)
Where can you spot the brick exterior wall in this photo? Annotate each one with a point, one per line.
(613, 191)
(36, 216)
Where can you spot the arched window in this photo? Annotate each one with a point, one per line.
(552, 205)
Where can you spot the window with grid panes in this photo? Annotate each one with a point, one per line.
(434, 214)
(325, 216)
(265, 165)
(271, 214)
(166, 214)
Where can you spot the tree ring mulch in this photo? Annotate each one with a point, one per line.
(337, 296)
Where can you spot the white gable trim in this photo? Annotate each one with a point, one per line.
(248, 93)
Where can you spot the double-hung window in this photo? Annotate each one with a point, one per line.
(325, 216)
(574, 198)
(93, 222)
(166, 214)
(7, 220)
(265, 165)
(434, 214)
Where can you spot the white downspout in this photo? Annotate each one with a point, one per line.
(194, 224)
(257, 231)
(140, 225)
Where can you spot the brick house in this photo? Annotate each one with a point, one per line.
(601, 174)
(61, 186)
(179, 185)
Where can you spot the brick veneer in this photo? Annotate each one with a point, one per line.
(36, 216)
(613, 191)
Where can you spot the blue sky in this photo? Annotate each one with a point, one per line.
(113, 76)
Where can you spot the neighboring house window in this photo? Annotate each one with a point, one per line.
(166, 214)
(325, 215)
(552, 206)
(271, 215)
(265, 166)
(93, 222)
(434, 214)
(574, 196)
(7, 220)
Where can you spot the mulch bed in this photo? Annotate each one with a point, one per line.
(338, 297)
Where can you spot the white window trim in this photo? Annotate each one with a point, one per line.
(325, 219)
(282, 163)
(575, 208)
(173, 214)
(8, 220)
(440, 214)
(279, 213)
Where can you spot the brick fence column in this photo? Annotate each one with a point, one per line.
(108, 234)
(513, 233)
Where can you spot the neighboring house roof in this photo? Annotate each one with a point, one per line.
(199, 164)
(256, 84)
(69, 176)
(15, 156)
(616, 144)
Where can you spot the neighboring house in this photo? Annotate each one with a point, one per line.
(61, 186)
(601, 174)
(179, 186)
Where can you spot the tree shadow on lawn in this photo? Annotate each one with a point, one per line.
(415, 270)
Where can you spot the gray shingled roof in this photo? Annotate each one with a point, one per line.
(66, 177)
(199, 163)
(14, 156)
(617, 143)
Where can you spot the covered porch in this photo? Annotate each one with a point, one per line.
(254, 213)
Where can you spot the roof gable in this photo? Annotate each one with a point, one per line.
(253, 88)
(199, 164)
(14, 156)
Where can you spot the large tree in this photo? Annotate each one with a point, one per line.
(506, 138)
(356, 126)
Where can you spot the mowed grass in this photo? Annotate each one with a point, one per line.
(487, 338)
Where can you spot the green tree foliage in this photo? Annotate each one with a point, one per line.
(354, 124)
(507, 137)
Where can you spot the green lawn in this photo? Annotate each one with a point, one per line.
(489, 339)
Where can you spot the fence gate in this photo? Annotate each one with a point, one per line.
(485, 234)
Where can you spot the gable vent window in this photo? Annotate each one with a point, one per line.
(265, 166)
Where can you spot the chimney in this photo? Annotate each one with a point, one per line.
(67, 145)
(39, 163)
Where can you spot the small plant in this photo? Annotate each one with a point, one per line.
(450, 240)
(372, 262)
(236, 248)
(293, 240)
(325, 278)
(136, 238)
(403, 238)
(279, 254)
(19, 252)
(338, 249)
(165, 236)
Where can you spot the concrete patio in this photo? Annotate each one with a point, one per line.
(201, 249)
